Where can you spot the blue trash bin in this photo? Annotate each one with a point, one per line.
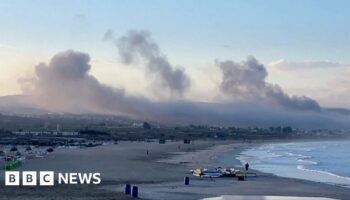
(135, 192)
(128, 189)
(187, 180)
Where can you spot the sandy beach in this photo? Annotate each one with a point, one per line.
(159, 175)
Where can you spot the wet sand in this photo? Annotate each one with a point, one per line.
(159, 175)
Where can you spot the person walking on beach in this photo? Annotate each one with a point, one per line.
(246, 166)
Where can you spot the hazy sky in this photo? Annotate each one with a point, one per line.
(304, 44)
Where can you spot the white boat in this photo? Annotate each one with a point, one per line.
(208, 173)
(215, 173)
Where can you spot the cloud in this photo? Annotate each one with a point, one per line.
(303, 65)
(136, 45)
(247, 81)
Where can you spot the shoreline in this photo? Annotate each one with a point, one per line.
(159, 174)
(301, 167)
(209, 158)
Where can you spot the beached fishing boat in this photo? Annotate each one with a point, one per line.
(215, 173)
(207, 173)
(229, 172)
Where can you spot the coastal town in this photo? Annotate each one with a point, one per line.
(34, 137)
(73, 129)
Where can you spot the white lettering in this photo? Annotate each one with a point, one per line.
(46, 178)
(97, 178)
(11, 178)
(85, 178)
(73, 178)
(29, 178)
(63, 178)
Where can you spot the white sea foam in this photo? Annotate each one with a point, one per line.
(302, 167)
(245, 197)
(308, 161)
(295, 160)
(297, 155)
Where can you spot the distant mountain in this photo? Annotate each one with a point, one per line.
(343, 111)
(242, 114)
(19, 104)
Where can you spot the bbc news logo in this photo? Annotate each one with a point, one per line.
(47, 178)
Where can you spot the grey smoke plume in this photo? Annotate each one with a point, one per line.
(247, 80)
(65, 85)
(137, 45)
(109, 35)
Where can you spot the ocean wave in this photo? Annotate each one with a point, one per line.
(245, 158)
(305, 157)
(297, 155)
(302, 167)
(273, 155)
(308, 161)
(290, 154)
(300, 161)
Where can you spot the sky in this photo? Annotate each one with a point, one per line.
(304, 45)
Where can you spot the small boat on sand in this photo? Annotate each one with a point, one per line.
(207, 173)
(215, 173)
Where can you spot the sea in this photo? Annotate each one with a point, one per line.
(320, 161)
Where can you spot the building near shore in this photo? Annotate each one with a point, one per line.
(46, 133)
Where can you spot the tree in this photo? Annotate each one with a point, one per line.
(146, 125)
(287, 129)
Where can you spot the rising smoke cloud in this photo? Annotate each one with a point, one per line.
(65, 85)
(137, 45)
(247, 81)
